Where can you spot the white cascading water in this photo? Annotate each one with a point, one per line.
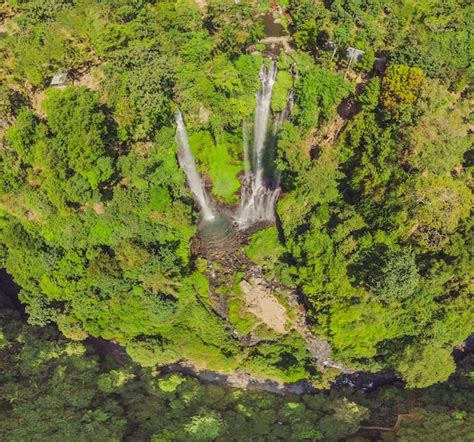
(258, 200)
(247, 166)
(187, 163)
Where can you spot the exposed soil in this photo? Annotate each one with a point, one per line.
(91, 79)
(325, 137)
(36, 98)
(274, 44)
(263, 304)
(99, 208)
(201, 3)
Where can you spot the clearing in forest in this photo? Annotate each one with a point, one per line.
(261, 303)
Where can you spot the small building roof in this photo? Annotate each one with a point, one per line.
(59, 79)
(354, 53)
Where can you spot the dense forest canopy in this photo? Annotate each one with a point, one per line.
(372, 238)
(56, 389)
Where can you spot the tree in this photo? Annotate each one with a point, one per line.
(264, 247)
(409, 55)
(369, 98)
(110, 38)
(394, 277)
(347, 417)
(302, 11)
(204, 426)
(144, 79)
(225, 76)
(22, 137)
(401, 87)
(317, 94)
(425, 364)
(439, 140)
(430, 422)
(12, 175)
(283, 84)
(11, 102)
(366, 64)
(233, 25)
(306, 37)
(80, 130)
(438, 205)
(41, 373)
(150, 352)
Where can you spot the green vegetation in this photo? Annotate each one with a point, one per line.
(283, 84)
(219, 161)
(97, 225)
(264, 247)
(317, 95)
(54, 388)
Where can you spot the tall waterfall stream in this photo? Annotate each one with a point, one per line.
(257, 198)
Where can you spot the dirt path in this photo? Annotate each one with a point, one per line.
(258, 295)
(284, 41)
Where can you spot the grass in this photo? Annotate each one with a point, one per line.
(283, 83)
(265, 248)
(243, 321)
(219, 162)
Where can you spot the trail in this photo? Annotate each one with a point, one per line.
(283, 40)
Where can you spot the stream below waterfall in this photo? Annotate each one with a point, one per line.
(364, 381)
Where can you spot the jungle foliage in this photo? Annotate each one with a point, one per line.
(55, 389)
(96, 221)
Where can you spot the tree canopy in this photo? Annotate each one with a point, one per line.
(367, 265)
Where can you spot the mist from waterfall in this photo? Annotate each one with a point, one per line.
(187, 163)
(257, 198)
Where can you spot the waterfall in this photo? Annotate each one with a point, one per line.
(264, 97)
(258, 193)
(246, 146)
(186, 161)
(257, 200)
